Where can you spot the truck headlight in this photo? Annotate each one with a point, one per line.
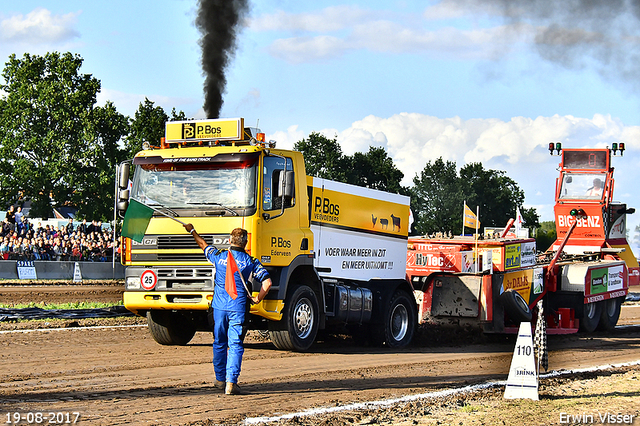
(132, 283)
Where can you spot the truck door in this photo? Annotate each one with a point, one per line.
(280, 234)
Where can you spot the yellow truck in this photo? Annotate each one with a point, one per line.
(336, 252)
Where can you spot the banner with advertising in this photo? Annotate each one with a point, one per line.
(512, 256)
(603, 280)
(529, 283)
(528, 254)
(520, 281)
(434, 257)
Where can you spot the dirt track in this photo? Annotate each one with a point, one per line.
(121, 376)
(110, 292)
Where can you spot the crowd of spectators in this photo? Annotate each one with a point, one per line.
(20, 240)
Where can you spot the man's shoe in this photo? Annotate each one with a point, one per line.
(233, 389)
(218, 385)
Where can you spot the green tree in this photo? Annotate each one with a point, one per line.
(177, 116)
(147, 125)
(531, 218)
(439, 194)
(436, 198)
(546, 235)
(323, 157)
(52, 136)
(496, 194)
(374, 169)
(97, 180)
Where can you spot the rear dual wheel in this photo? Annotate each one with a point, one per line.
(610, 313)
(591, 313)
(399, 321)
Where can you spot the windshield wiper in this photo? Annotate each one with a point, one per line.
(233, 212)
(161, 207)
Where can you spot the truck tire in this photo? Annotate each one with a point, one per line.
(399, 321)
(610, 313)
(170, 328)
(299, 325)
(515, 306)
(591, 313)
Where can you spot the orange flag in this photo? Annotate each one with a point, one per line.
(229, 280)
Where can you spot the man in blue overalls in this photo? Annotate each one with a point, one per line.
(230, 303)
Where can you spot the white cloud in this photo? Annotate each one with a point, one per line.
(332, 18)
(308, 49)
(445, 10)
(394, 37)
(39, 27)
(413, 139)
(286, 139)
(331, 32)
(455, 9)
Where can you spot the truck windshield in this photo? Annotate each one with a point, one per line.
(229, 185)
(582, 186)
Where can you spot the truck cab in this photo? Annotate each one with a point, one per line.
(584, 195)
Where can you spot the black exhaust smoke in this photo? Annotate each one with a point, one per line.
(578, 34)
(218, 21)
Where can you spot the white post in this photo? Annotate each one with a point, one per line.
(463, 216)
(476, 236)
(113, 227)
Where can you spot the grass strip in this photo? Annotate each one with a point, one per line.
(67, 305)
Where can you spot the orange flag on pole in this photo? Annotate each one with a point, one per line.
(229, 279)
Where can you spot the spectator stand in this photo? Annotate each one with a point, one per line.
(58, 240)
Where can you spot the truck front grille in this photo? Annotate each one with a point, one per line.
(184, 272)
(175, 248)
(192, 279)
(181, 256)
(177, 242)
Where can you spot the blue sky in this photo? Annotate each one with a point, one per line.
(468, 80)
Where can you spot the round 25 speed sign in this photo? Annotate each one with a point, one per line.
(148, 279)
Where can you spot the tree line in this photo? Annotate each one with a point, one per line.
(57, 146)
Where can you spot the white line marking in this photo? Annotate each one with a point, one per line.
(72, 328)
(408, 398)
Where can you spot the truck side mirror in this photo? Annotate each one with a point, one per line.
(288, 183)
(122, 207)
(123, 176)
(285, 183)
(123, 201)
(624, 210)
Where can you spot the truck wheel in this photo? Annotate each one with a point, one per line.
(299, 325)
(170, 328)
(515, 306)
(590, 317)
(610, 313)
(399, 321)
